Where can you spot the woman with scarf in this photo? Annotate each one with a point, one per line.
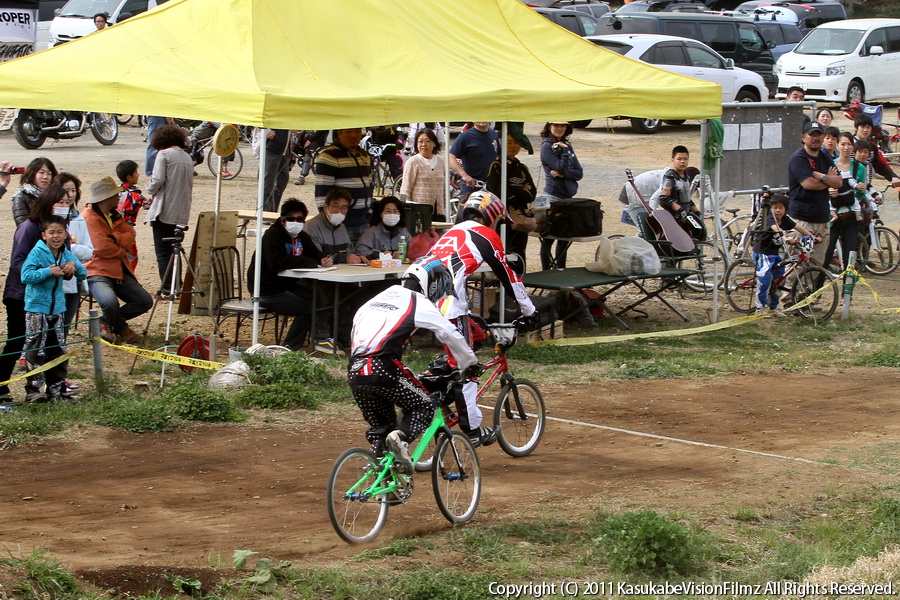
(37, 177)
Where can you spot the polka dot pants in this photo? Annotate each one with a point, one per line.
(381, 384)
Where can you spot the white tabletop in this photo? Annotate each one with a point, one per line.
(347, 273)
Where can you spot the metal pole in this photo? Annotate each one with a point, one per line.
(97, 347)
(447, 171)
(504, 153)
(260, 200)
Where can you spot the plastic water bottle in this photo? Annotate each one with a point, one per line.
(401, 248)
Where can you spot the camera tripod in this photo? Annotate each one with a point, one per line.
(172, 275)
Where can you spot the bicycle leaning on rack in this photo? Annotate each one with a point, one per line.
(362, 487)
(740, 283)
(519, 410)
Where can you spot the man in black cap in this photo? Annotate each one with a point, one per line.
(810, 174)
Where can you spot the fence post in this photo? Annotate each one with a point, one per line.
(849, 284)
(94, 328)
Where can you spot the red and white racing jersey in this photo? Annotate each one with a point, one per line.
(383, 325)
(462, 249)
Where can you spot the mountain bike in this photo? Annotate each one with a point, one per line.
(362, 487)
(519, 410)
(383, 183)
(740, 283)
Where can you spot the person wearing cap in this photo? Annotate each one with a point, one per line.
(520, 193)
(811, 173)
(110, 276)
(471, 156)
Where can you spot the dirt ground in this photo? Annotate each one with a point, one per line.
(123, 508)
(112, 505)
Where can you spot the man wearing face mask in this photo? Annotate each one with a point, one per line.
(344, 164)
(286, 246)
(327, 229)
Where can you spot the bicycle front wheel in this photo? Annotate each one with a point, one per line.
(456, 477)
(230, 169)
(811, 279)
(740, 285)
(356, 518)
(520, 415)
(880, 256)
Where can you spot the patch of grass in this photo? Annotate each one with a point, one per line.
(134, 413)
(278, 395)
(880, 358)
(647, 544)
(37, 420)
(295, 367)
(645, 371)
(401, 547)
(46, 577)
(191, 400)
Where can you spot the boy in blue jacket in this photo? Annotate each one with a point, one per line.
(48, 263)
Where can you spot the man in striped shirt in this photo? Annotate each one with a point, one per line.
(344, 164)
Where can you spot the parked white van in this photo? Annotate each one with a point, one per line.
(76, 18)
(841, 61)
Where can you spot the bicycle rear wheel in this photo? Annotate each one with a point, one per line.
(702, 261)
(355, 518)
(520, 414)
(740, 285)
(883, 259)
(231, 169)
(809, 280)
(456, 477)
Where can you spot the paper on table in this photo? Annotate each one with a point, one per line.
(318, 269)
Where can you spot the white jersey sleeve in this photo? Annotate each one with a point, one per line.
(383, 325)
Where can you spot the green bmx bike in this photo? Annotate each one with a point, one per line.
(362, 487)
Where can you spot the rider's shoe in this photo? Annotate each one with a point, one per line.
(396, 443)
(483, 436)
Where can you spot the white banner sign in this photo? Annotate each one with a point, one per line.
(18, 31)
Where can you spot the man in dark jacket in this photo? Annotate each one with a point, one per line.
(286, 246)
(279, 143)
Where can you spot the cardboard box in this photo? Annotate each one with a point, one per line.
(491, 296)
(551, 331)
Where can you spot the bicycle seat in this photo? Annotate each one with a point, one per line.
(733, 211)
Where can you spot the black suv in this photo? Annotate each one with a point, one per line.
(662, 6)
(737, 38)
(573, 20)
(595, 8)
(809, 14)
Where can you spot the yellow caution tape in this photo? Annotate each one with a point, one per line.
(45, 366)
(168, 357)
(682, 332)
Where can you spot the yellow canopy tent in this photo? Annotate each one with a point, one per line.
(314, 64)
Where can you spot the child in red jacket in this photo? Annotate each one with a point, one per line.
(131, 200)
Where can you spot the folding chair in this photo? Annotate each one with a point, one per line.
(227, 294)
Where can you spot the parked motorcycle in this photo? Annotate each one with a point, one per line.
(33, 127)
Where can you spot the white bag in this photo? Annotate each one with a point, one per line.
(625, 257)
(232, 376)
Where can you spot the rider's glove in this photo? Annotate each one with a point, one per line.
(531, 322)
(475, 371)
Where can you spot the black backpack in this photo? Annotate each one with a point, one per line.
(575, 217)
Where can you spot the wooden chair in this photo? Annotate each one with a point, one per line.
(227, 298)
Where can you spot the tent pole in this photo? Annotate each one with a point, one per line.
(260, 200)
(504, 154)
(447, 171)
(213, 349)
